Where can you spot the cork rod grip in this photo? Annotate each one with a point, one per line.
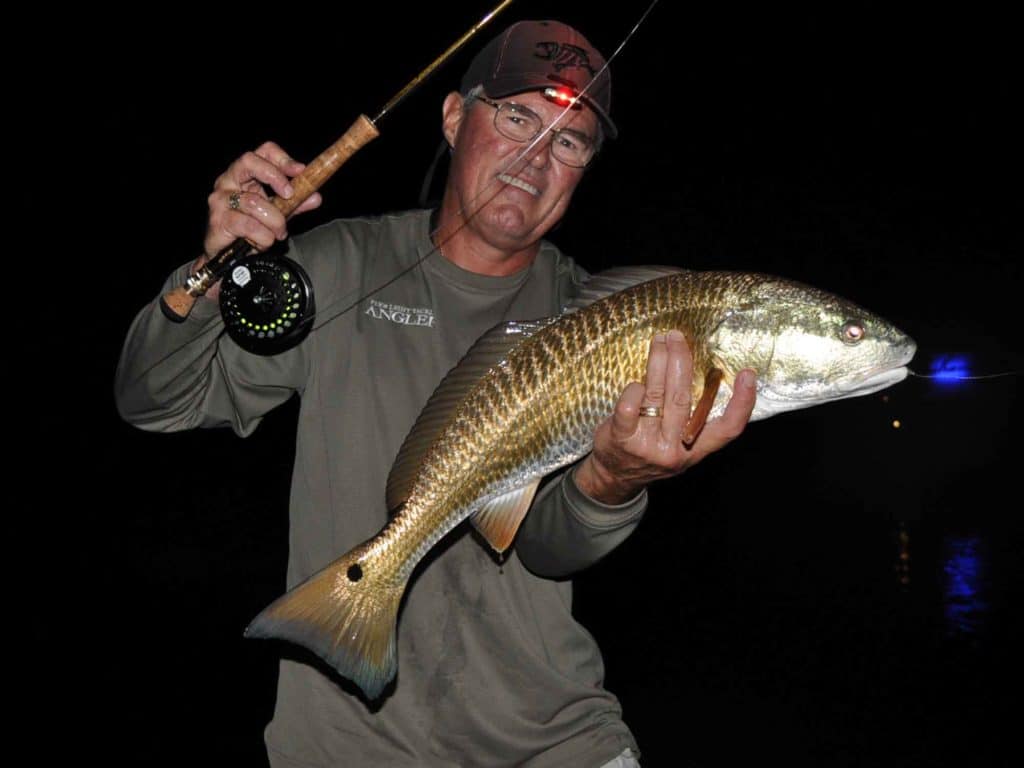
(177, 304)
(316, 174)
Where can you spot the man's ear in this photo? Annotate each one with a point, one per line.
(451, 117)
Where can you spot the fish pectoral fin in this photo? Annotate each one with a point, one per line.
(499, 519)
(712, 381)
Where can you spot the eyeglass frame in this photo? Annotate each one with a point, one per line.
(594, 143)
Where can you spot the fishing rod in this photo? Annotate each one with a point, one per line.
(567, 101)
(268, 302)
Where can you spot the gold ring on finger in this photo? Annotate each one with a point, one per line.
(651, 410)
(235, 201)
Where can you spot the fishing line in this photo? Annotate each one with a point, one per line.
(493, 188)
(951, 377)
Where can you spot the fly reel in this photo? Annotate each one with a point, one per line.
(267, 303)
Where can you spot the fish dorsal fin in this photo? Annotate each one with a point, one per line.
(489, 350)
(499, 519)
(611, 281)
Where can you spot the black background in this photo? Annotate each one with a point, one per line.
(756, 614)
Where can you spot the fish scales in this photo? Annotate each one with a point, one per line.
(496, 426)
(539, 408)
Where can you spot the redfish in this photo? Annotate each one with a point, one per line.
(525, 401)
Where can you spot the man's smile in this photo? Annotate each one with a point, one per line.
(519, 184)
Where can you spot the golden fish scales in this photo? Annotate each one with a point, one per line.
(560, 383)
(527, 399)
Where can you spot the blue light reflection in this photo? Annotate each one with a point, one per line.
(950, 369)
(963, 590)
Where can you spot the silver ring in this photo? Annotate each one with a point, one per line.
(235, 200)
(651, 410)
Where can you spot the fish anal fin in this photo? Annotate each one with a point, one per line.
(500, 518)
(699, 417)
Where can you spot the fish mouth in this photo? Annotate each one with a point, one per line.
(519, 184)
(854, 385)
(885, 375)
(863, 382)
(873, 381)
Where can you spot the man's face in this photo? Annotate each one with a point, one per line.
(511, 203)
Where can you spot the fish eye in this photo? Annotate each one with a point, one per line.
(853, 332)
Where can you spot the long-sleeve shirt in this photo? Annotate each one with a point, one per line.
(493, 669)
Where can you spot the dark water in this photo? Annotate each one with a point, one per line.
(890, 646)
(833, 591)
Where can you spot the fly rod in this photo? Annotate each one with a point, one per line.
(177, 304)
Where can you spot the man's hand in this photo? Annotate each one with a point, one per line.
(631, 450)
(240, 205)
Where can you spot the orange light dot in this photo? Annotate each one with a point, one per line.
(896, 424)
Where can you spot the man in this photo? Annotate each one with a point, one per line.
(493, 668)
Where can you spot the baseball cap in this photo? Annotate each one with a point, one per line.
(531, 55)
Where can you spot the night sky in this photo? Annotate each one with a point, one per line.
(758, 613)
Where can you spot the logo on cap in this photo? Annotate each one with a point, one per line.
(563, 56)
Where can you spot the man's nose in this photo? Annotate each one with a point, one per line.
(540, 155)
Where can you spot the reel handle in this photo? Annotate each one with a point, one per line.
(177, 304)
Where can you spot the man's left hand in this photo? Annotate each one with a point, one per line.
(631, 450)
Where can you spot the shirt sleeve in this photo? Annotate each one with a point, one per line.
(567, 531)
(176, 376)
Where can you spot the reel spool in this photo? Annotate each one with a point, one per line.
(267, 303)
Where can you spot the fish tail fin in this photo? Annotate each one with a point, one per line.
(346, 614)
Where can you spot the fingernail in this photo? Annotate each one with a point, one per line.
(675, 336)
(659, 338)
(288, 191)
(746, 379)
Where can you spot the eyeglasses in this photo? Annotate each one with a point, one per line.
(519, 123)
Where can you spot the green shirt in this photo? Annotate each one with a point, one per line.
(492, 668)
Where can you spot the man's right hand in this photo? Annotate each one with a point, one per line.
(253, 217)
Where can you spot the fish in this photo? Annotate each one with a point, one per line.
(525, 401)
